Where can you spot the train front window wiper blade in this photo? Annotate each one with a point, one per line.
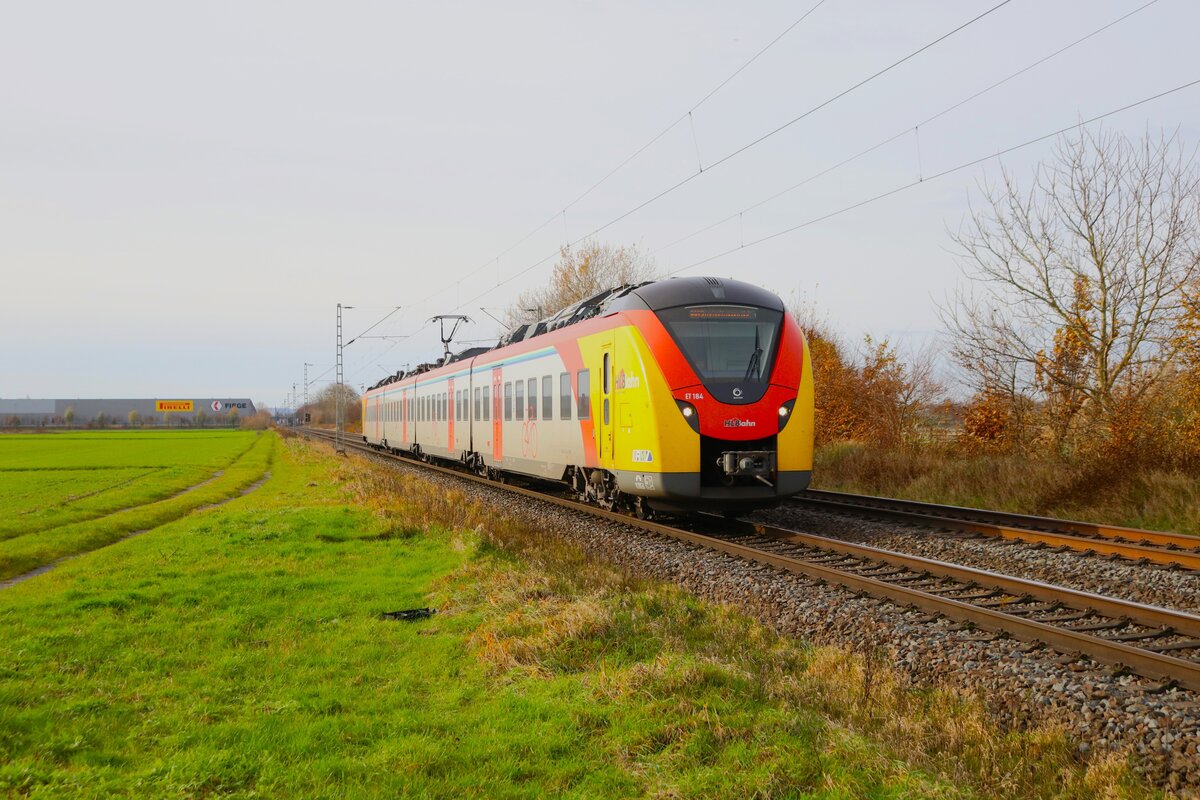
(755, 358)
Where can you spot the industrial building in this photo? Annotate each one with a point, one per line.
(83, 412)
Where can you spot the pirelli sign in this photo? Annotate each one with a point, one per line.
(173, 405)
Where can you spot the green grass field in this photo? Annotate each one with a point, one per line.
(239, 652)
(66, 493)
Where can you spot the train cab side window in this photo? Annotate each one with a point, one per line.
(507, 402)
(547, 397)
(604, 376)
(519, 400)
(533, 398)
(564, 395)
(584, 398)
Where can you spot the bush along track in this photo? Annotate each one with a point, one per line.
(245, 652)
(23, 554)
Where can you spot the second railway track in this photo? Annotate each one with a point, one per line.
(1159, 643)
(1167, 550)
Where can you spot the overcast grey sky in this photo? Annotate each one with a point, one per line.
(186, 190)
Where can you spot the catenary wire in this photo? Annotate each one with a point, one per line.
(935, 176)
(650, 143)
(733, 154)
(900, 134)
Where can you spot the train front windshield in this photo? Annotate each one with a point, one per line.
(726, 344)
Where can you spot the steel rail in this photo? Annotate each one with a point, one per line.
(1156, 665)
(1170, 549)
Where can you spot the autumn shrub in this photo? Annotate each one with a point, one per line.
(878, 397)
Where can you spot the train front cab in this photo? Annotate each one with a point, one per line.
(705, 398)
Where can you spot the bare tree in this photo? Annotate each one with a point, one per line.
(324, 405)
(69, 416)
(581, 272)
(134, 418)
(1079, 279)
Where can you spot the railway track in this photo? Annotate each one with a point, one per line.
(1153, 548)
(1158, 643)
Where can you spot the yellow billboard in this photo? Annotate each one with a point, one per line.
(173, 405)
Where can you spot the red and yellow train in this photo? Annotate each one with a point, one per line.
(677, 395)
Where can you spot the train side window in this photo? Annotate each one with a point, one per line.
(507, 402)
(584, 398)
(547, 397)
(487, 403)
(564, 395)
(519, 400)
(478, 404)
(533, 398)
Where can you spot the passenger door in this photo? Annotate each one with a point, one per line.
(497, 419)
(604, 444)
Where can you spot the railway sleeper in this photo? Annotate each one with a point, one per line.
(1107, 625)
(1168, 647)
(1069, 618)
(1040, 608)
(1136, 636)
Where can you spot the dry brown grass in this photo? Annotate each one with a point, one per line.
(1108, 491)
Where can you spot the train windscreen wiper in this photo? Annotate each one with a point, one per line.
(755, 359)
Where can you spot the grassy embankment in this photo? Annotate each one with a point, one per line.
(70, 493)
(1112, 493)
(240, 652)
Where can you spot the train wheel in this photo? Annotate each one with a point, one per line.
(642, 509)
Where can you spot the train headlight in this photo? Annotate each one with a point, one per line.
(689, 413)
(785, 413)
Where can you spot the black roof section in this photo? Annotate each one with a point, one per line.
(698, 291)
